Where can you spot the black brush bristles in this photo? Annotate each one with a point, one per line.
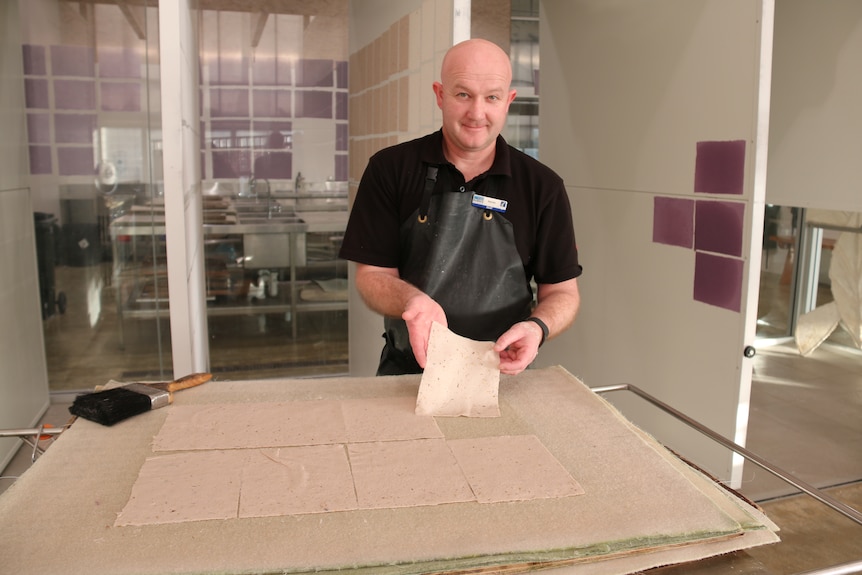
(110, 406)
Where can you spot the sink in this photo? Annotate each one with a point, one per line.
(264, 218)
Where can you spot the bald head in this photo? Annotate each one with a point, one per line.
(477, 57)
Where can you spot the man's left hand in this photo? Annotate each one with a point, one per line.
(518, 347)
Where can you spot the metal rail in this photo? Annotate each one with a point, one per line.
(839, 506)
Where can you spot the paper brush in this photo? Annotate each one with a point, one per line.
(116, 404)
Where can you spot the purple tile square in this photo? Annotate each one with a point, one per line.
(264, 103)
(77, 161)
(273, 165)
(119, 63)
(74, 94)
(341, 78)
(673, 221)
(718, 227)
(36, 93)
(314, 104)
(263, 71)
(40, 160)
(39, 128)
(34, 60)
(231, 163)
(341, 135)
(313, 73)
(341, 105)
(120, 96)
(226, 102)
(341, 166)
(74, 128)
(228, 70)
(283, 71)
(720, 167)
(73, 61)
(718, 281)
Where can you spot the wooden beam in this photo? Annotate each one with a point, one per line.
(136, 17)
(258, 24)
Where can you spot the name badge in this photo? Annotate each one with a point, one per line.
(488, 203)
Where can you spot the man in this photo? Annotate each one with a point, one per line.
(451, 227)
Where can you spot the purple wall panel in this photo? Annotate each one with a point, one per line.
(273, 165)
(74, 128)
(74, 94)
(314, 104)
(40, 159)
(720, 167)
(718, 281)
(313, 73)
(75, 161)
(264, 104)
(119, 63)
(341, 105)
(341, 78)
(73, 61)
(34, 60)
(277, 133)
(229, 103)
(673, 221)
(120, 96)
(228, 71)
(36, 93)
(39, 128)
(341, 166)
(718, 227)
(341, 137)
(263, 71)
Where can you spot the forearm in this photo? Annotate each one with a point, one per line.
(558, 305)
(383, 291)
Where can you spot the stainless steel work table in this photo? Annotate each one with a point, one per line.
(150, 224)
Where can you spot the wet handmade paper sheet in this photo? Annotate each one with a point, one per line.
(461, 377)
(264, 482)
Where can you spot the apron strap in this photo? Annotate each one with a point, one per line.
(430, 183)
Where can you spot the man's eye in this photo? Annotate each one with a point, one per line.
(493, 98)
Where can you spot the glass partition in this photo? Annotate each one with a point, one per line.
(92, 104)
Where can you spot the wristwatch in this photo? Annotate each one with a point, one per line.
(541, 324)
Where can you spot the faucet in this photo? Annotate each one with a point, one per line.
(271, 206)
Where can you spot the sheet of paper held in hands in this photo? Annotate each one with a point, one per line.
(462, 377)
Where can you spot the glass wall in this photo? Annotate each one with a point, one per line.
(93, 119)
(274, 93)
(796, 275)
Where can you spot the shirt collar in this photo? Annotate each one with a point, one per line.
(432, 153)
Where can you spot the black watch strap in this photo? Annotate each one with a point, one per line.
(545, 331)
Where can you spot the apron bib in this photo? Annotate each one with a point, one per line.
(465, 258)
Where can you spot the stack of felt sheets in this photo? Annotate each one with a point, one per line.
(301, 476)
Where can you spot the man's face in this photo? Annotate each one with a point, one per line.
(475, 103)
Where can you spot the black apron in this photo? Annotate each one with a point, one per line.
(463, 257)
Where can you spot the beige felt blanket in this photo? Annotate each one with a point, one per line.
(641, 507)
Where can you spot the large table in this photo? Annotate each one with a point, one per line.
(641, 508)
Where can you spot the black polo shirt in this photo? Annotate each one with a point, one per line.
(391, 190)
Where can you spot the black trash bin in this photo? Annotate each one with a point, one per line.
(47, 240)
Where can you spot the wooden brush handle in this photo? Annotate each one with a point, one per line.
(186, 382)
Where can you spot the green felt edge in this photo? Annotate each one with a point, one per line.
(607, 550)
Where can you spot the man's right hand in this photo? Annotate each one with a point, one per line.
(420, 312)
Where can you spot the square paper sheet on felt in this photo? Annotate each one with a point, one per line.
(461, 377)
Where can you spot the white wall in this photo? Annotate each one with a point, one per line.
(628, 90)
(24, 377)
(816, 125)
